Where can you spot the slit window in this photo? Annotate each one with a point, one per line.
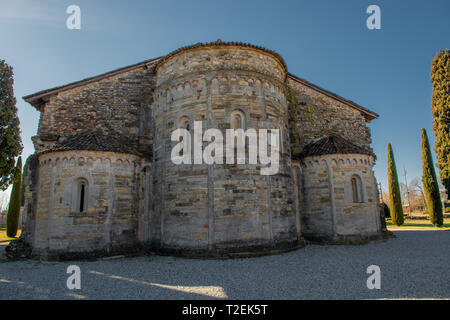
(82, 194)
(356, 188)
(81, 200)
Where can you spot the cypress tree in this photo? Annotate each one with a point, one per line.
(440, 108)
(13, 216)
(22, 187)
(10, 142)
(430, 184)
(394, 190)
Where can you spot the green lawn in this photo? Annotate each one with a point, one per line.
(419, 224)
(4, 238)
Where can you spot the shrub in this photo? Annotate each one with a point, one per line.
(385, 208)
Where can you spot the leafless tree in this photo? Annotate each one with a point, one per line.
(416, 185)
(4, 201)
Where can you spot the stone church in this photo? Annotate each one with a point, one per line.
(102, 182)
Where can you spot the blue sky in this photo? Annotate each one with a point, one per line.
(324, 42)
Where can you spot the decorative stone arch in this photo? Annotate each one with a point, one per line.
(355, 188)
(81, 205)
(82, 192)
(334, 162)
(214, 85)
(238, 119)
(187, 88)
(184, 122)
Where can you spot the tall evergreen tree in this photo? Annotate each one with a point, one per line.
(394, 190)
(22, 187)
(10, 142)
(13, 216)
(440, 108)
(430, 184)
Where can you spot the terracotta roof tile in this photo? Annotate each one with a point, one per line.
(91, 141)
(332, 145)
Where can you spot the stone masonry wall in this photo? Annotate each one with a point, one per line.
(322, 116)
(325, 199)
(215, 207)
(352, 218)
(119, 105)
(111, 220)
(196, 207)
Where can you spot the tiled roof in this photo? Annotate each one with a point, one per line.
(91, 141)
(332, 145)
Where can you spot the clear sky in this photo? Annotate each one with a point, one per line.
(324, 42)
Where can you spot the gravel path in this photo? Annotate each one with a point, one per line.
(413, 265)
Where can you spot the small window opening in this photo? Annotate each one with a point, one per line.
(82, 195)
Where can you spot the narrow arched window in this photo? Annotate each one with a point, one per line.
(237, 120)
(82, 195)
(81, 204)
(356, 188)
(183, 123)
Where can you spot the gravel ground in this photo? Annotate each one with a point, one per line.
(413, 265)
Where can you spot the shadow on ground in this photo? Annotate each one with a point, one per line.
(413, 265)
